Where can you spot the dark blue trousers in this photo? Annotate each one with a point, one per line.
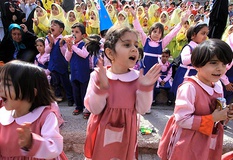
(59, 81)
(79, 92)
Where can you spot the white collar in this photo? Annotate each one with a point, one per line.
(7, 118)
(126, 77)
(210, 90)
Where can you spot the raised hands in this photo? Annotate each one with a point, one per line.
(151, 76)
(101, 71)
(51, 40)
(185, 16)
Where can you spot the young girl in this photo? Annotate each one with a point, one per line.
(93, 23)
(42, 59)
(71, 19)
(112, 13)
(153, 14)
(164, 19)
(227, 32)
(154, 42)
(40, 22)
(140, 14)
(181, 39)
(27, 122)
(115, 95)
(58, 13)
(80, 15)
(122, 20)
(195, 35)
(195, 129)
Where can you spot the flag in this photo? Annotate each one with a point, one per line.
(105, 21)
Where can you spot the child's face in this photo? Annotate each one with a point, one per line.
(156, 34)
(139, 11)
(78, 8)
(211, 71)
(114, 5)
(77, 33)
(71, 17)
(40, 47)
(39, 12)
(163, 18)
(55, 29)
(7, 93)
(201, 35)
(192, 17)
(110, 9)
(145, 22)
(126, 9)
(156, 13)
(89, 5)
(186, 25)
(165, 57)
(126, 53)
(92, 16)
(55, 10)
(121, 18)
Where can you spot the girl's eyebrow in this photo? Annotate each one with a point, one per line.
(127, 40)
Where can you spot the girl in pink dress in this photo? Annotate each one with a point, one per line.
(195, 130)
(28, 124)
(115, 95)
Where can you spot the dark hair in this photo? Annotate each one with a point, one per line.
(93, 44)
(155, 26)
(25, 78)
(193, 30)
(80, 26)
(206, 50)
(59, 22)
(40, 39)
(114, 34)
(141, 53)
(167, 51)
(173, 3)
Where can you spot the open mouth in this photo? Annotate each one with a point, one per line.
(133, 58)
(216, 75)
(52, 30)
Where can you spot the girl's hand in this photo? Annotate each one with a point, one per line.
(185, 17)
(35, 21)
(25, 136)
(101, 71)
(51, 41)
(132, 11)
(229, 87)
(151, 76)
(219, 115)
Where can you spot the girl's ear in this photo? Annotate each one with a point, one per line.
(109, 53)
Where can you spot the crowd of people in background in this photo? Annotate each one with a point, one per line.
(65, 39)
